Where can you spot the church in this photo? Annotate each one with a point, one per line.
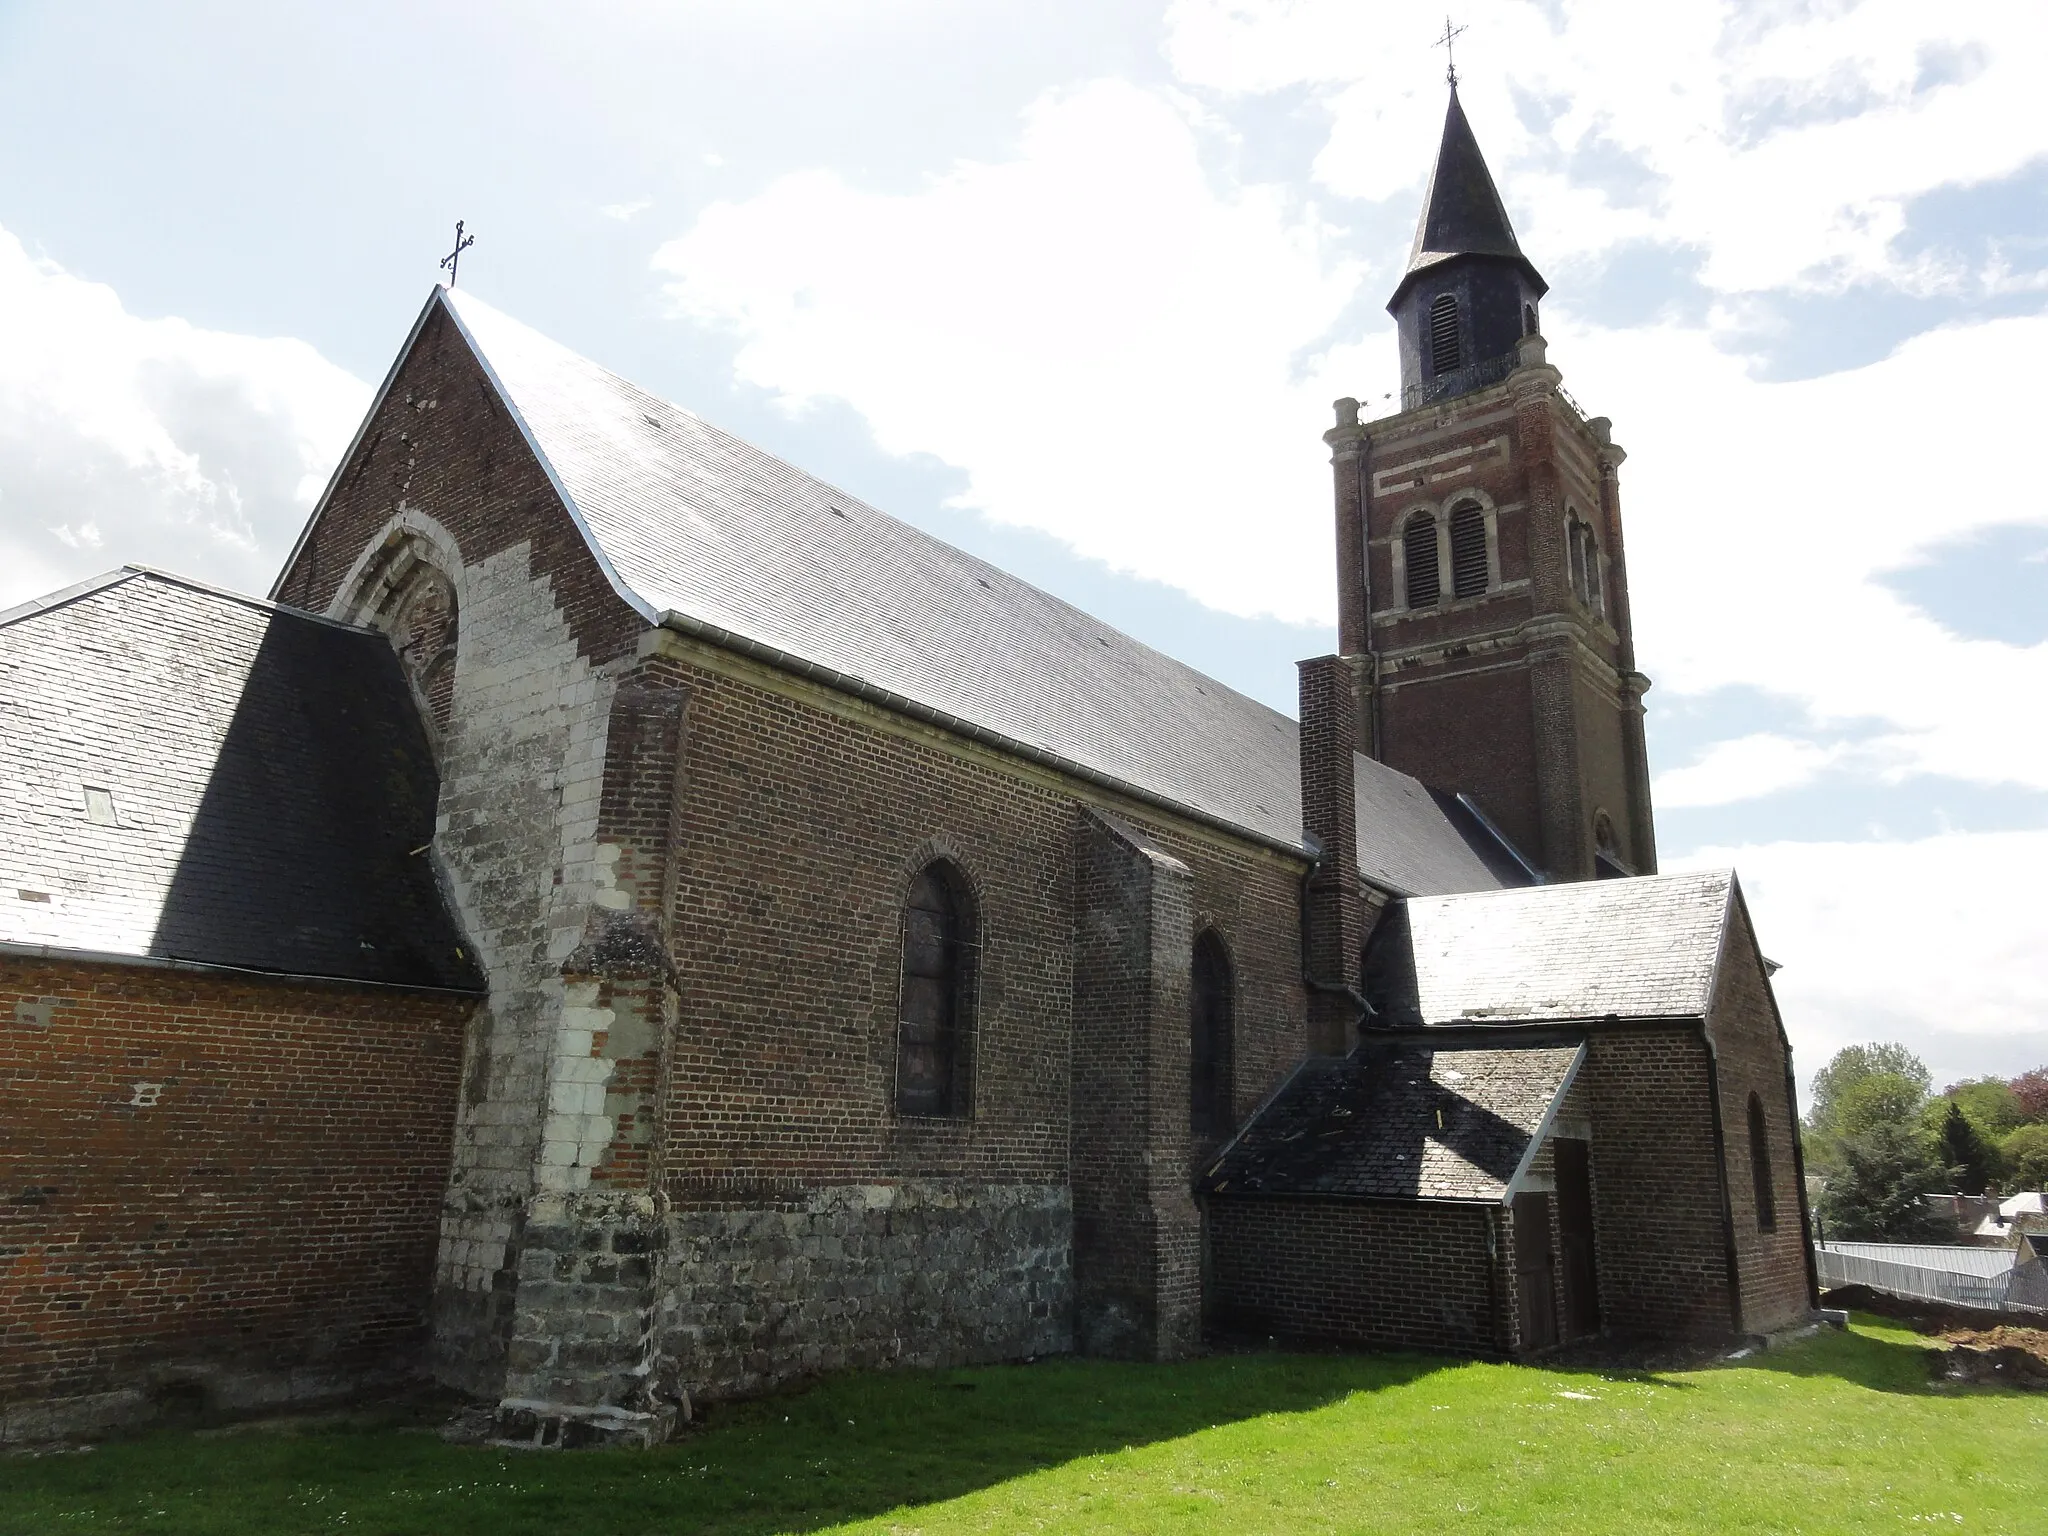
(623, 925)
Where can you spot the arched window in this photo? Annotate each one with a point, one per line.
(1444, 352)
(1582, 556)
(403, 589)
(1528, 319)
(935, 1028)
(1418, 554)
(1607, 864)
(1760, 1167)
(1594, 590)
(1468, 552)
(1211, 995)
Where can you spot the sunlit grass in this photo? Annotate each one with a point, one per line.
(1844, 1433)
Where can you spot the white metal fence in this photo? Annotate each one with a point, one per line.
(1962, 1277)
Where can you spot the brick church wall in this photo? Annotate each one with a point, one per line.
(1136, 1234)
(1369, 1274)
(807, 814)
(213, 1191)
(543, 641)
(1751, 1057)
(767, 835)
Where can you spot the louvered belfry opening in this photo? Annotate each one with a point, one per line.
(1211, 995)
(1444, 353)
(934, 1028)
(1418, 550)
(1469, 565)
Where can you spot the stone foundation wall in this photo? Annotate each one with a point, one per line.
(917, 1273)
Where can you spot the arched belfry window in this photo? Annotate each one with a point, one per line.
(1596, 588)
(1445, 355)
(1607, 861)
(1528, 319)
(1760, 1167)
(1211, 998)
(1469, 564)
(1582, 553)
(935, 1021)
(1424, 580)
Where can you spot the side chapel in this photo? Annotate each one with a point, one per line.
(624, 923)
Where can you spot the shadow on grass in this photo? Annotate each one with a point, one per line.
(1879, 1353)
(849, 1448)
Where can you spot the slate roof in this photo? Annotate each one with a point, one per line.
(1401, 1120)
(1462, 212)
(1643, 948)
(268, 786)
(704, 531)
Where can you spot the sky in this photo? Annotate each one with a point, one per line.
(1072, 284)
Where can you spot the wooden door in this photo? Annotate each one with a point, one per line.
(1535, 1275)
(1575, 1237)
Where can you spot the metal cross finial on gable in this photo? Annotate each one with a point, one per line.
(454, 258)
(1451, 34)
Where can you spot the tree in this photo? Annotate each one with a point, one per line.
(1864, 1086)
(1991, 1105)
(1851, 1065)
(2031, 1090)
(1873, 1193)
(2026, 1157)
(1962, 1146)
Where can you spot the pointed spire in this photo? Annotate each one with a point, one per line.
(1462, 215)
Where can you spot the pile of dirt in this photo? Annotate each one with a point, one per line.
(2014, 1357)
(1993, 1366)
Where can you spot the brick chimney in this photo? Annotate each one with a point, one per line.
(1333, 915)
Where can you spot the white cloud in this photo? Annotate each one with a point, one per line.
(1940, 943)
(1759, 516)
(1783, 142)
(1743, 769)
(1121, 351)
(1116, 351)
(151, 441)
(627, 212)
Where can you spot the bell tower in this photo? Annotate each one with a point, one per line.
(1482, 588)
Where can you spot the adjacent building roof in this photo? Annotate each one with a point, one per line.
(195, 777)
(706, 532)
(1644, 948)
(1402, 1120)
(1462, 213)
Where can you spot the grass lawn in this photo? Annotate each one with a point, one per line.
(1843, 1433)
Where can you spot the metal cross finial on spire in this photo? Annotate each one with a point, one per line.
(454, 258)
(1451, 35)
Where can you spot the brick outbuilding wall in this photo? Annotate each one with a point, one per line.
(1751, 1057)
(1658, 1225)
(213, 1190)
(1370, 1274)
